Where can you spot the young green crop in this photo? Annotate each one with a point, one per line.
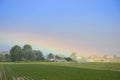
(64, 71)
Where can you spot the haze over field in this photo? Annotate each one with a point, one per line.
(86, 27)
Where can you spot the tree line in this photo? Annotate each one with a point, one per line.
(26, 53)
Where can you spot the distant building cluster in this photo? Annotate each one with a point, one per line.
(55, 58)
(104, 58)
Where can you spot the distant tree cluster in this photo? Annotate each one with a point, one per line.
(5, 57)
(25, 54)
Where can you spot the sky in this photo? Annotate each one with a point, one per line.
(86, 27)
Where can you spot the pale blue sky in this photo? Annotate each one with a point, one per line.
(94, 24)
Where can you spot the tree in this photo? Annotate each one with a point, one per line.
(7, 57)
(28, 52)
(68, 59)
(38, 55)
(1, 57)
(73, 56)
(50, 56)
(16, 53)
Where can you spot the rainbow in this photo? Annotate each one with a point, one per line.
(44, 43)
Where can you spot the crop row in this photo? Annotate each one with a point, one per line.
(9, 74)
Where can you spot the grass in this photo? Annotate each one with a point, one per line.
(65, 71)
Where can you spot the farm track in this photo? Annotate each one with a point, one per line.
(3, 71)
(23, 78)
(0, 76)
(8, 73)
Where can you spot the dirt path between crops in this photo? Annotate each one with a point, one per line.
(0, 76)
(114, 70)
(23, 78)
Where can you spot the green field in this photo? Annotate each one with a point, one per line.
(61, 71)
(0, 68)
